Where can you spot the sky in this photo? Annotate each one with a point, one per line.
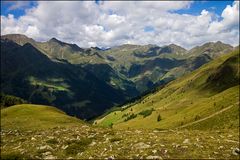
(111, 23)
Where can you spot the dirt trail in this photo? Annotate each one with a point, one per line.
(210, 116)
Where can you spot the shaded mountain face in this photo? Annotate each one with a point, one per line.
(127, 71)
(31, 75)
(61, 51)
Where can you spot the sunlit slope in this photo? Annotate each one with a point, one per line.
(35, 117)
(205, 96)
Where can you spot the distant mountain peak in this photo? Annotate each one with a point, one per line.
(55, 40)
(63, 44)
(175, 46)
(96, 48)
(215, 44)
(14, 36)
(18, 38)
(211, 48)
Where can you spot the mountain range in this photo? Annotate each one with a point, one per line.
(85, 82)
(205, 99)
(141, 101)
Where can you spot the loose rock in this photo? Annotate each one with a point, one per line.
(186, 141)
(141, 145)
(153, 157)
(236, 151)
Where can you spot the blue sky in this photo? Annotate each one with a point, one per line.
(198, 6)
(195, 8)
(8, 7)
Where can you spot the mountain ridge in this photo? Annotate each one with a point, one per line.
(18, 37)
(127, 70)
(202, 93)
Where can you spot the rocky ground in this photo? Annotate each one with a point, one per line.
(93, 142)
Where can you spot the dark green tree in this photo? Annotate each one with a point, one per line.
(159, 118)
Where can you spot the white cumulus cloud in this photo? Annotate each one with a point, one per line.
(117, 22)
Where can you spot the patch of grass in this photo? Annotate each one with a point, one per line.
(78, 146)
(14, 156)
(115, 139)
(52, 141)
(35, 117)
(231, 116)
(55, 84)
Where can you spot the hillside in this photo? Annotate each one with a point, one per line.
(42, 132)
(208, 95)
(29, 74)
(35, 117)
(86, 58)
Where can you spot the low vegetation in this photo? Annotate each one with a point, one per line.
(146, 113)
(131, 116)
(8, 100)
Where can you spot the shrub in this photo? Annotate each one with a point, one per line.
(125, 115)
(197, 117)
(146, 113)
(115, 139)
(8, 100)
(159, 118)
(111, 125)
(132, 116)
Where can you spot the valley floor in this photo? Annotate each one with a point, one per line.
(84, 141)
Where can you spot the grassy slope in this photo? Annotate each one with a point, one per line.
(186, 100)
(35, 117)
(43, 132)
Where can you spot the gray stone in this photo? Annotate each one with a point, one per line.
(64, 147)
(47, 153)
(141, 145)
(236, 151)
(50, 157)
(186, 141)
(153, 157)
(93, 144)
(33, 139)
(154, 151)
(47, 147)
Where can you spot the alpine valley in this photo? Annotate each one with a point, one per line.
(85, 82)
(60, 101)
